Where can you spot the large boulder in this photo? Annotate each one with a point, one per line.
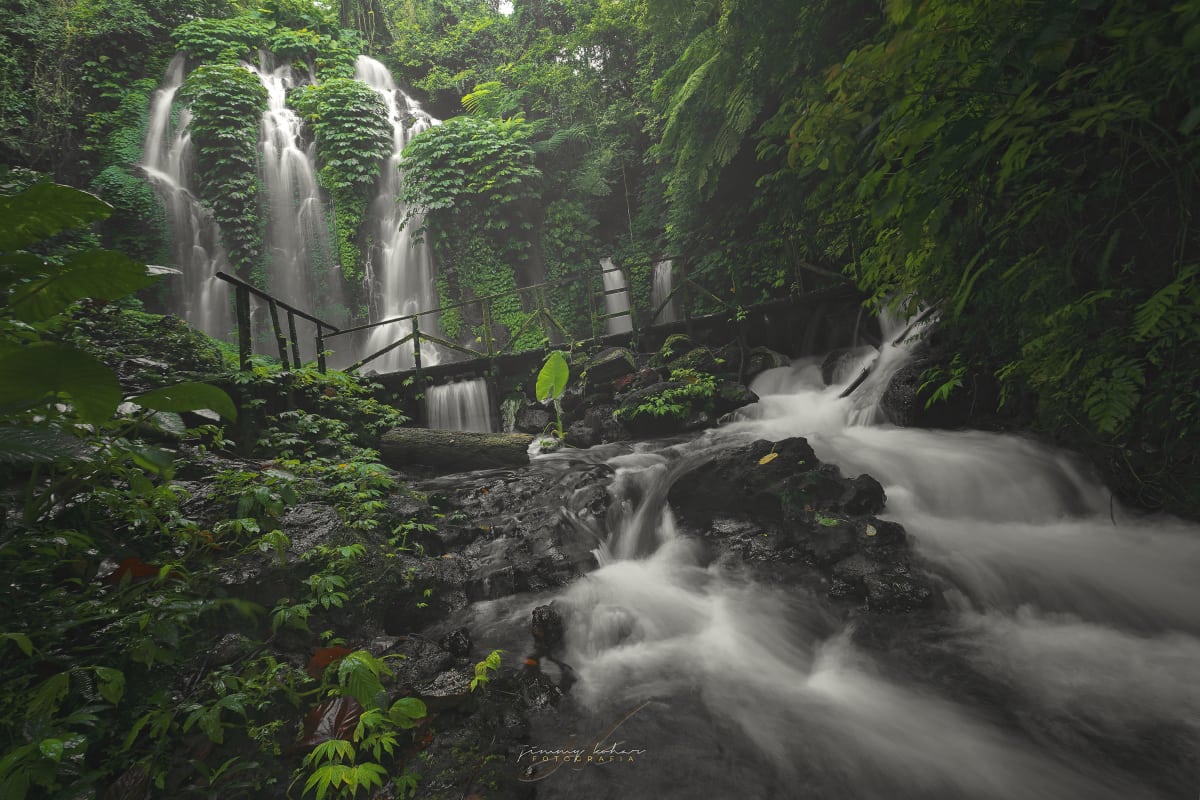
(608, 365)
(775, 505)
(776, 481)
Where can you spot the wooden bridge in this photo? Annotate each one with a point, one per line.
(807, 323)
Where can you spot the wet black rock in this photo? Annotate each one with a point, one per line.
(835, 368)
(759, 479)
(582, 435)
(547, 628)
(531, 419)
(447, 690)
(897, 591)
(776, 503)
(761, 359)
(608, 365)
(457, 642)
(731, 396)
(537, 690)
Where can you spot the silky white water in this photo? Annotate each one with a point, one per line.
(459, 406)
(301, 266)
(1062, 664)
(168, 161)
(399, 270)
(662, 283)
(616, 299)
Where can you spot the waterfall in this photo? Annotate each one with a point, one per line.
(1061, 663)
(202, 299)
(616, 298)
(399, 272)
(302, 268)
(459, 406)
(660, 290)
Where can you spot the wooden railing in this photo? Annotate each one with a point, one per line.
(489, 347)
(534, 297)
(242, 294)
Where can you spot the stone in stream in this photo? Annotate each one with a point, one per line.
(532, 419)
(775, 502)
(457, 642)
(547, 628)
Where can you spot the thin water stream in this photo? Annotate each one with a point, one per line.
(1061, 661)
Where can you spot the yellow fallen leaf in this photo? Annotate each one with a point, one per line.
(871, 530)
(768, 458)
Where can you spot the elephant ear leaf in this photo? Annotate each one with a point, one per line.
(31, 374)
(191, 396)
(552, 380)
(44, 210)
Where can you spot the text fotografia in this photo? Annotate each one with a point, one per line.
(542, 762)
(597, 754)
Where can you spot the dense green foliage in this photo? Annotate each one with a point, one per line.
(227, 102)
(1027, 168)
(353, 134)
(1031, 169)
(475, 180)
(134, 663)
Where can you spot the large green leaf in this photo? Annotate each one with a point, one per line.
(37, 445)
(43, 210)
(100, 274)
(552, 380)
(29, 374)
(191, 396)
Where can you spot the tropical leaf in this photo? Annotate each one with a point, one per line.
(44, 210)
(553, 377)
(190, 396)
(99, 274)
(28, 375)
(37, 445)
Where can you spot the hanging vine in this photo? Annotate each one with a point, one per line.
(352, 134)
(227, 102)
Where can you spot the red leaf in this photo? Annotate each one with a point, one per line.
(323, 657)
(135, 568)
(336, 718)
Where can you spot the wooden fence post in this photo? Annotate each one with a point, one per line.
(291, 318)
(280, 339)
(245, 346)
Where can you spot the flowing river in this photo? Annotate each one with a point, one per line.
(1061, 660)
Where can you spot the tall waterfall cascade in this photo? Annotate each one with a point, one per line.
(302, 265)
(196, 250)
(399, 271)
(616, 298)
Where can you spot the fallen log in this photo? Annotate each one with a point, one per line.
(453, 451)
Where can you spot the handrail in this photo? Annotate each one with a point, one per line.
(245, 346)
(254, 290)
(464, 303)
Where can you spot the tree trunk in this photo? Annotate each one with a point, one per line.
(454, 451)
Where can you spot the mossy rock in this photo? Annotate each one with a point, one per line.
(610, 364)
(701, 359)
(676, 345)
